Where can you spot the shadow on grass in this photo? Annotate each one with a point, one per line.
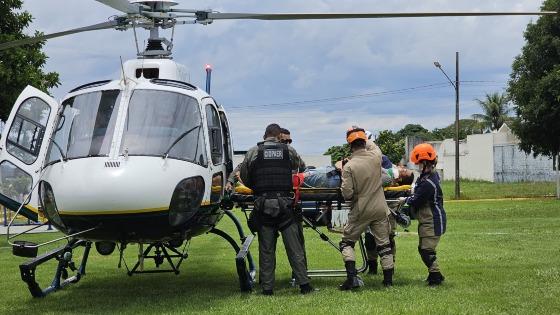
(118, 293)
(195, 290)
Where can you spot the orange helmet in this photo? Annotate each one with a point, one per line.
(423, 152)
(354, 133)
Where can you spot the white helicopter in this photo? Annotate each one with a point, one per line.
(141, 159)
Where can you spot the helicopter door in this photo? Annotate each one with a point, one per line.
(228, 152)
(216, 151)
(22, 149)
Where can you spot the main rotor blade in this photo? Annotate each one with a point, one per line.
(324, 16)
(32, 40)
(122, 5)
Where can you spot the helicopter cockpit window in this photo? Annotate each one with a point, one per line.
(87, 126)
(27, 130)
(215, 134)
(162, 123)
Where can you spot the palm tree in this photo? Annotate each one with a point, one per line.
(496, 109)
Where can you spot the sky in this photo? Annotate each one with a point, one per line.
(316, 78)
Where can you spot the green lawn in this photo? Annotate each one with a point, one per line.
(488, 190)
(499, 257)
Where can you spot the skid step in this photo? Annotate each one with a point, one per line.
(25, 249)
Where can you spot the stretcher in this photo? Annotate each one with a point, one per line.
(324, 207)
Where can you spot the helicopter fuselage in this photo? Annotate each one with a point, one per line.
(140, 159)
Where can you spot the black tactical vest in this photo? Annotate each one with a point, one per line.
(272, 170)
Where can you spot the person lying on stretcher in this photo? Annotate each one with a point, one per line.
(329, 176)
(396, 176)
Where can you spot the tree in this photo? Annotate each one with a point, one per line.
(534, 86)
(414, 130)
(495, 109)
(392, 145)
(23, 65)
(466, 127)
(338, 152)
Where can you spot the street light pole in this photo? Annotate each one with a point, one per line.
(456, 86)
(457, 178)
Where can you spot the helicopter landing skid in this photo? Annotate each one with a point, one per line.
(161, 253)
(246, 277)
(64, 256)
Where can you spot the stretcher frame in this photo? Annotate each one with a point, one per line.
(334, 195)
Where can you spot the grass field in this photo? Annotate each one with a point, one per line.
(488, 190)
(498, 257)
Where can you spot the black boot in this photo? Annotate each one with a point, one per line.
(372, 266)
(352, 281)
(435, 278)
(306, 288)
(388, 277)
(267, 292)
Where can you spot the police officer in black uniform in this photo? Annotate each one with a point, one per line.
(267, 170)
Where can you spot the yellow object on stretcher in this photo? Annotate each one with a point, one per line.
(242, 189)
(397, 188)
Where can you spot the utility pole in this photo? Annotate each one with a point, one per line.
(558, 174)
(456, 86)
(457, 177)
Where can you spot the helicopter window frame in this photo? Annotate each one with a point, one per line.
(226, 134)
(200, 155)
(215, 136)
(53, 154)
(28, 154)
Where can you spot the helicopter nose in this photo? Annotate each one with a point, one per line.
(186, 200)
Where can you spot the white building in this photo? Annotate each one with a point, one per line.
(493, 157)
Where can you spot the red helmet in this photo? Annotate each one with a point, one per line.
(354, 133)
(423, 152)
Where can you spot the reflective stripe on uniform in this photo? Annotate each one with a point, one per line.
(437, 208)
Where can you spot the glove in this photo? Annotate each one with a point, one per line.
(229, 187)
(402, 220)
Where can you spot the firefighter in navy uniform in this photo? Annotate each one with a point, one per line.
(267, 170)
(426, 205)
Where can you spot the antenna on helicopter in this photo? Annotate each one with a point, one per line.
(122, 69)
(208, 68)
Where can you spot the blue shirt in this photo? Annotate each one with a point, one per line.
(322, 177)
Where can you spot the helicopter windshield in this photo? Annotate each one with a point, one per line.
(161, 121)
(87, 125)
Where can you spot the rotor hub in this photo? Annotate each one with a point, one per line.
(156, 5)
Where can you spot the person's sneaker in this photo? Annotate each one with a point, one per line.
(267, 292)
(306, 288)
